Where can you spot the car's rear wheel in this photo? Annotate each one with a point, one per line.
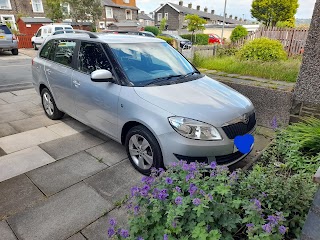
(34, 46)
(15, 51)
(49, 105)
(143, 149)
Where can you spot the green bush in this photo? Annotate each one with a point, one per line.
(226, 50)
(152, 29)
(197, 39)
(238, 33)
(264, 49)
(167, 39)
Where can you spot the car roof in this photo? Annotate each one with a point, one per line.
(107, 38)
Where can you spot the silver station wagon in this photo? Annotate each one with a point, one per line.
(145, 95)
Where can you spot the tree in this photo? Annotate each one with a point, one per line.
(238, 33)
(195, 23)
(54, 10)
(290, 23)
(163, 24)
(85, 10)
(270, 12)
(152, 29)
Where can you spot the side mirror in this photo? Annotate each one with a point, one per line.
(101, 75)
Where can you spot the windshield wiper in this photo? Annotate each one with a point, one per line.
(160, 79)
(191, 73)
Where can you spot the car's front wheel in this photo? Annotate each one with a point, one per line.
(143, 149)
(49, 105)
(34, 46)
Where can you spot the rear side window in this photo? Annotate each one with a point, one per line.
(4, 29)
(92, 57)
(64, 51)
(46, 49)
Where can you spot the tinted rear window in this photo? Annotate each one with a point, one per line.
(4, 29)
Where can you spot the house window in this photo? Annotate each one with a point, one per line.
(5, 4)
(9, 21)
(109, 12)
(37, 6)
(147, 23)
(126, 1)
(159, 17)
(128, 14)
(102, 25)
(65, 8)
(166, 15)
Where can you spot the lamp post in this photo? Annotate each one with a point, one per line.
(224, 20)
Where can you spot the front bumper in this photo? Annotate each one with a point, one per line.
(176, 147)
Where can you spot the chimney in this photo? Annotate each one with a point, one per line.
(181, 3)
(235, 18)
(205, 9)
(190, 5)
(161, 4)
(198, 7)
(212, 11)
(230, 16)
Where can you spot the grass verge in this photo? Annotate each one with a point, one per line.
(282, 71)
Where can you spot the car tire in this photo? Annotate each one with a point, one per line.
(34, 46)
(143, 150)
(15, 51)
(49, 105)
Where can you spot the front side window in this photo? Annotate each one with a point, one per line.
(37, 6)
(5, 4)
(92, 57)
(64, 51)
(109, 12)
(146, 62)
(128, 14)
(46, 49)
(39, 33)
(159, 17)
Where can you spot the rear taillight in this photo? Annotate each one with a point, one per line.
(14, 37)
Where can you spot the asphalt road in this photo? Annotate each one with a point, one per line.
(15, 72)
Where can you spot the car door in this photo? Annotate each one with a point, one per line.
(38, 40)
(59, 72)
(96, 102)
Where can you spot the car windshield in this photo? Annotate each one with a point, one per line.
(4, 29)
(145, 63)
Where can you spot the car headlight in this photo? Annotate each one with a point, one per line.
(193, 129)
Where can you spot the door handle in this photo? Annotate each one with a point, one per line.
(76, 83)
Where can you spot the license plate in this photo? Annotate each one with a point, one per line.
(1, 37)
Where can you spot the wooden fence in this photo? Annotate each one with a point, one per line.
(293, 40)
(24, 40)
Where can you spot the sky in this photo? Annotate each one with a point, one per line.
(240, 8)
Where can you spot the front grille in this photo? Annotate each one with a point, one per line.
(240, 128)
(225, 159)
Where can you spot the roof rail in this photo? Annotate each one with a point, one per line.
(91, 35)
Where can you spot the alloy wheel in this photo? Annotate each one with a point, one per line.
(140, 151)
(47, 103)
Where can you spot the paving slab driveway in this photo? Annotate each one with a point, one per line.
(58, 179)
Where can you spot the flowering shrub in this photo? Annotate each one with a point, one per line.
(189, 201)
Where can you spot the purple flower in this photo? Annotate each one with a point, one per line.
(178, 189)
(144, 192)
(174, 224)
(213, 165)
(210, 197)
(273, 219)
(178, 200)
(185, 167)
(257, 204)
(136, 209)
(267, 227)
(169, 180)
(113, 222)
(192, 189)
(165, 237)
(162, 195)
(202, 192)
(134, 191)
(233, 176)
(189, 176)
(192, 167)
(124, 233)
(282, 230)
(196, 201)
(147, 180)
(174, 164)
(212, 174)
(111, 232)
(280, 216)
(264, 194)
(160, 170)
(274, 123)
(140, 238)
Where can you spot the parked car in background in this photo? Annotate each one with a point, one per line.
(45, 31)
(214, 38)
(184, 43)
(8, 41)
(144, 94)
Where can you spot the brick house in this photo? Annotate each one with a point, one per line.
(175, 14)
(119, 14)
(11, 9)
